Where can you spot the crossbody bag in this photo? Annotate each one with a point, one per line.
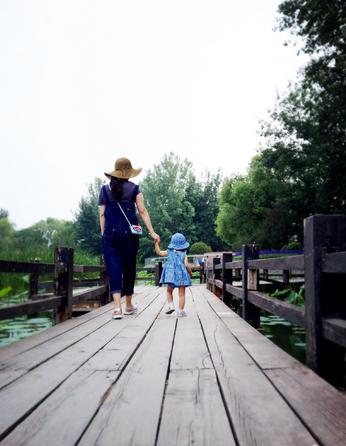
(135, 229)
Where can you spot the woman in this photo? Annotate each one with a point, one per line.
(117, 211)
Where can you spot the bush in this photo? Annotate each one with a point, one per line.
(199, 248)
(292, 246)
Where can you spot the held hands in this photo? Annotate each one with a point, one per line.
(155, 237)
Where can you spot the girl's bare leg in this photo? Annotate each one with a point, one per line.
(170, 294)
(181, 297)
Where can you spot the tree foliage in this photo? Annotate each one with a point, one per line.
(86, 223)
(178, 202)
(6, 232)
(199, 248)
(301, 166)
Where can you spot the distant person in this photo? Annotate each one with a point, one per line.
(117, 209)
(176, 271)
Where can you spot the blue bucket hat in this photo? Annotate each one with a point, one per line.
(178, 241)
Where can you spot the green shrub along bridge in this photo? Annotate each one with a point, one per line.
(210, 378)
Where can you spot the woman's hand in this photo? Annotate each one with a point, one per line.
(155, 237)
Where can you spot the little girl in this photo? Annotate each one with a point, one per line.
(176, 271)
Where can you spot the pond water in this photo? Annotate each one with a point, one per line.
(289, 337)
(12, 330)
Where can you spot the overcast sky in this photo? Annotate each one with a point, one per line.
(83, 82)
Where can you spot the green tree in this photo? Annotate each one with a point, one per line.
(43, 237)
(300, 169)
(307, 144)
(6, 232)
(253, 208)
(165, 194)
(86, 222)
(203, 196)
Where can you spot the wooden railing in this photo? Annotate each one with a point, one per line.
(323, 268)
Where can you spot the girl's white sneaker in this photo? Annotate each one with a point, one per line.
(181, 313)
(170, 309)
(117, 314)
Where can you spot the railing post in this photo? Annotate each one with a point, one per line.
(285, 277)
(226, 277)
(250, 282)
(64, 282)
(33, 283)
(216, 272)
(158, 271)
(323, 233)
(208, 273)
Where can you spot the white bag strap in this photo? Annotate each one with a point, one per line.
(128, 221)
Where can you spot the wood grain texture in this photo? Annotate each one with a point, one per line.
(38, 383)
(61, 418)
(259, 415)
(131, 410)
(321, 406)
(15, 367)
(193, 411)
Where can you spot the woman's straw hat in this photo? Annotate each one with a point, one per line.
(123, 169)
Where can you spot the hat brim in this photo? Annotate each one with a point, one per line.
(184, 246)
(131, 173)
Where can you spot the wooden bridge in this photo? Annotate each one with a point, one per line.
(210, 378)
(153, 379)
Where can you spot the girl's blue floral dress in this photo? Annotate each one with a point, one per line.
(174, 271)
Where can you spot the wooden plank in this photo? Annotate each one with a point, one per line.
(235, 291)
(292, 313)
(334, 262)
(281, 263)
(196, 356)
(15, 367)
(335, 330)
(61, 419)
(19, 347)
(192, 387)
(234, 265)
(261, 349)
(130, 412)
(88, 268)
(321, 406)
(193, 411)
(27, 267)
(258, 413)
(218, 283)
(75, 402)
(90, 293)
(30, 307)
(35, 386)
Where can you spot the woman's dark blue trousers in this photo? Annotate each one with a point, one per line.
(120, 258)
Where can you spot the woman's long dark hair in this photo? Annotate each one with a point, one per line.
(116, 186)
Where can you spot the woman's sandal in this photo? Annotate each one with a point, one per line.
(117, 313)
(130, 310)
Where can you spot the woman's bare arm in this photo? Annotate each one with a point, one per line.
(102, 218)
(145, 217)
